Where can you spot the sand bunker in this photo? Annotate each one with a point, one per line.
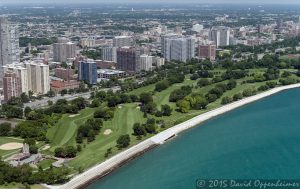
(11, 146)
(74, 115)
(107, 132)
(46, 147)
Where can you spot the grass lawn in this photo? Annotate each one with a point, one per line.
(18, 186)
(64, 132)
(4, 140)
(122, 123)
(46, 163)
(143, 89)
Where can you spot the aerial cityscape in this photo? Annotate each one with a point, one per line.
(109, 95)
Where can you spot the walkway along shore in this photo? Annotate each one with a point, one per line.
(116, 161)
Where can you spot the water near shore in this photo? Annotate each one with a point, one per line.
(259, 140)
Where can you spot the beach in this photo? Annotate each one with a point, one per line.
(114, 162)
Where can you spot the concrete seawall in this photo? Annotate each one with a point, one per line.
(114, 162)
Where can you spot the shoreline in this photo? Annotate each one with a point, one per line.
(111, 164)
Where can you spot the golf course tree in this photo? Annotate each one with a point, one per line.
(162, 85)
(123, 141)
(146, 98)
(28, 175)
(150, 126)
(226, 100)
(166, 110)
(31, 129)
(194, 101)
(139, 130)
(12, 111)
(65, 152)
(147, 106)
(203, 82)
(5, 129)
(89, 130)
(105, 113)
(179, 94)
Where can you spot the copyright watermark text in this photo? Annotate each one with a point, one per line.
(247, 183)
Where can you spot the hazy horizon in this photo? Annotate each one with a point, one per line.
(153, 1)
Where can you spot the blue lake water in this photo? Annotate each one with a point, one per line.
(259, 140)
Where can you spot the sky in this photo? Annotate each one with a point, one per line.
(147, 1)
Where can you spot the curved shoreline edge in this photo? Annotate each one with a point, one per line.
(104, 168)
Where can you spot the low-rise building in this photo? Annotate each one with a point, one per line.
(57, 86)
(109, 74)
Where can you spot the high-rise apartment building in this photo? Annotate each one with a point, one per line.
(21, 73)
(63, 51)
(109, 53)
(88, 71)
(207, 51)
(145, 63)
(220, 35)
(121, 41)
(38, 77)
(159, 61)
(128, 58)
(9, 44)
(181, 49)
(11, 85)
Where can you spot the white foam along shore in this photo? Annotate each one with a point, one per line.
(105, 167)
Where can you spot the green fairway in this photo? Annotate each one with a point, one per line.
(122, 123)
(161, 98)
(4, 140)
(64, 132)
(143, 89)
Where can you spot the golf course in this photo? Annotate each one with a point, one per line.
(125, 115)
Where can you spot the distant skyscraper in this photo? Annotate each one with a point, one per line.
(88, 71)
(220, 35)
(9, 44)
(109, 53)
(11, 85)
(121, 41)
(128, 59)
(181, 49)
(63, 51)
